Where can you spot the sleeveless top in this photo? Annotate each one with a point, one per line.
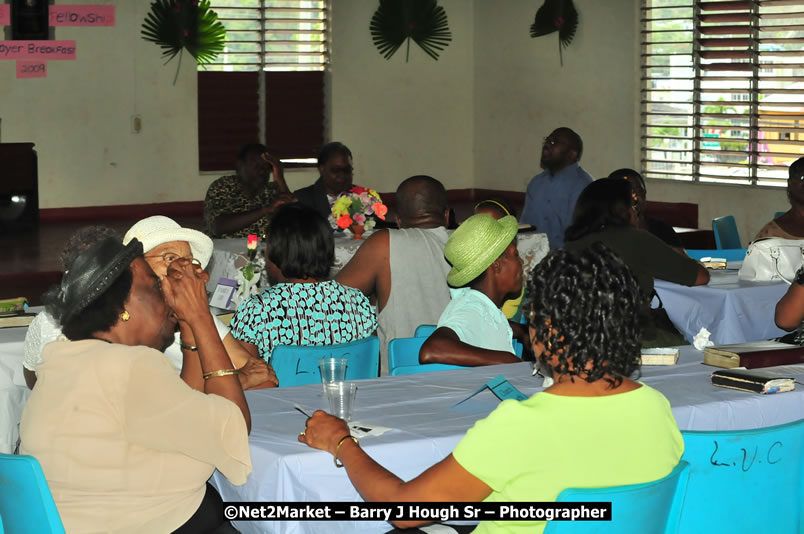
(419, 290)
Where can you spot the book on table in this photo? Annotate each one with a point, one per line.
(659, 356)
(753, 355)
(765, 383)
(20, 319)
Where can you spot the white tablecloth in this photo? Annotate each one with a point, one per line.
(227, 254)
(13, 391)
(426, 429)
(733, 310)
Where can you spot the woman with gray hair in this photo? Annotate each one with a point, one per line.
(163, 241)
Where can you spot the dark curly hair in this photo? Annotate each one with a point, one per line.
(585, 308)
(299, 242)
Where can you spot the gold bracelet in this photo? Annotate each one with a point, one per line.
(338, 463)
(221, 372)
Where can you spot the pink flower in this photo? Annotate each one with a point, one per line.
(252, 242)
(344, 221)
(380, 210)
(359, 218)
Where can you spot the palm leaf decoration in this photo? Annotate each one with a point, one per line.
(556, 15)
(176, 25)
(423, 21)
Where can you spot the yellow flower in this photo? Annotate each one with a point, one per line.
(341, 206)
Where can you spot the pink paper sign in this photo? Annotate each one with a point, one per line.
(31, 69)
(5, 14)
(37, 49)
(81, 15)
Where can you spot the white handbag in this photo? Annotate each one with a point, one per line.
(772, 259)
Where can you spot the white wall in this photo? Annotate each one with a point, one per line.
(522, 92)
(475, 118)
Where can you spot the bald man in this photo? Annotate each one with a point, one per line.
(551, 195)
(405, 269)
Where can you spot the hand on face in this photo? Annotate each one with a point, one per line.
(323, 431)
(184, 287)
(150, 320)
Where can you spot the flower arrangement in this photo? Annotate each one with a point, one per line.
(356, 209)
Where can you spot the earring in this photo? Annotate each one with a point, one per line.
(125, 316)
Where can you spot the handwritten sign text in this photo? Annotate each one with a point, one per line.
(31, 69)
(37, 49)
(81, 15)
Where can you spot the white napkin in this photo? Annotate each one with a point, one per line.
(701, 339)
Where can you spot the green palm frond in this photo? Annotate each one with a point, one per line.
(176, 25)
(556, 15)
(422, 21)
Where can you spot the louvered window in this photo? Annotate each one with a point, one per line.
(722, 89)
(267, 84)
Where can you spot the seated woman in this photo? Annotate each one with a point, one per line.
(790, 310)
(124, 443)
(605, 213)
(639, 194)
(302, 306)
(486, 270)
(594, 427)
(499, 208)
(790, 225)
(163, 241)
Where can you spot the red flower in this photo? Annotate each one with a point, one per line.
(380, 210)
(344, 221)
(357, 189)
(252, 242)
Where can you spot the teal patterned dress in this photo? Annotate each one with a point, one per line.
(323, 313)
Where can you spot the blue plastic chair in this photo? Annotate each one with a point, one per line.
(649, 508)
(296, 366)
(403, 358)
(424, 330)
(726, 235)
(745, 480)
(26, 504)
(779, 214)
(730, 254)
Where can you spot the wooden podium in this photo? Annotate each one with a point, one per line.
(19, 188)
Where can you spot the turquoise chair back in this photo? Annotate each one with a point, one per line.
(649, 508)
(296, 366)
(26, 504)
(424, 330)
(726, 235)
(779, 214)
(745, 480)
(403, 358)
(730, 254)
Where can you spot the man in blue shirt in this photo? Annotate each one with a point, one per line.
(551, 195)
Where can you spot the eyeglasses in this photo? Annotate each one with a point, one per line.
(170, 257)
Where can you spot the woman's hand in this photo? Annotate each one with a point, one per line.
(256, 372)
(323, 431)
(185, 290)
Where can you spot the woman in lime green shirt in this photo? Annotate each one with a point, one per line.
(594, 427)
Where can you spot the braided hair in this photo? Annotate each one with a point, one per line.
(585, 310)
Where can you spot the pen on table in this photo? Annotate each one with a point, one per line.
(301, 410)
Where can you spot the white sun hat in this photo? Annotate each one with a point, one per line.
(157, 230)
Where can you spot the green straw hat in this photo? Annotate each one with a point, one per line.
(476, 244)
